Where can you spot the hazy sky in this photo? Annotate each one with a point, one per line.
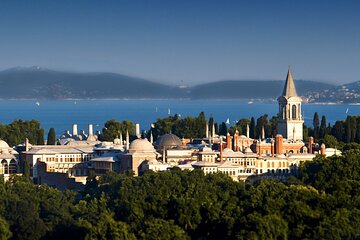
(194, 41)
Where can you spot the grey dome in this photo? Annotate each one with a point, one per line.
(168, 141)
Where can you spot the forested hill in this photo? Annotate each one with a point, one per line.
(252, 89)
(40, 83)
(320, 202)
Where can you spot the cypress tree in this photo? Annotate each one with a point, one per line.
(40, 137)
(211, 122)
(316, 124)
(353, 125)
(348, 129)
(338, 131)
(216, 128)
(252, 128)
(51, 139)
(322, 130)
(305, 132)
(223, 129)
(26, 170)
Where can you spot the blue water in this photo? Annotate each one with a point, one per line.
(62, 114)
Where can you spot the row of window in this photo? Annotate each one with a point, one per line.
(69, 158)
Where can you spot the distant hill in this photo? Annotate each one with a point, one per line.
(40, 83)
(346, 93)
(252, 89)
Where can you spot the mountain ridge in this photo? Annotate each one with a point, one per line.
(42, 83)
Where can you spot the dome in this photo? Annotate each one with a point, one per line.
(141, 145)
(227, 150)
(3, 144)
(168, 141)
(206, 149)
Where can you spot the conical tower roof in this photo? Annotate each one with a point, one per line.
(289, 88)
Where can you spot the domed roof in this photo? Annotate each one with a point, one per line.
(206, 149)
(141, 145)
(227, 150)
(168, 141)
(3, 144)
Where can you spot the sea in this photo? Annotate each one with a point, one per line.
(62, 114)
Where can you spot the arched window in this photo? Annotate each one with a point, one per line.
(4, 167)
(12, 167)
(293, 110)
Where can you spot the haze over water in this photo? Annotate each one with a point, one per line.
(62, 114)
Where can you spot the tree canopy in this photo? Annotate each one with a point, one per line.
(320, 202)
(17, 131)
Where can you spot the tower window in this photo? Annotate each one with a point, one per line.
(293, 110)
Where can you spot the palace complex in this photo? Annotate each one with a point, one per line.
(68, 164)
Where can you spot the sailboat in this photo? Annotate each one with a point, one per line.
(169, 111)
(347, 110)
(37, 103)
(227, 121)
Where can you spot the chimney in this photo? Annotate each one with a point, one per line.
(137, 130)
(121, 138)
(221, 148)
(27, 145)
(90, 130)
(164, 155)
(183, 143)
(74, 130)
(127, 140)
(279, 144)
(206, 130)
(247, 131)
(310, 147)
(213, 130)
(236, 136)
(322, 150)
(151, 137)
(228, 141)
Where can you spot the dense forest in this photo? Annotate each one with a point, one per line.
(321, 202)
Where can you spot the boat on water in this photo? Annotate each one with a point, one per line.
(227, 121)
(37, 103)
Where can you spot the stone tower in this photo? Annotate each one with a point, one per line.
(290, 121)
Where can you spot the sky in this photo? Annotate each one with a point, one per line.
(186, 42)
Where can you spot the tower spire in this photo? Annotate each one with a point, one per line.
(289, 88)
